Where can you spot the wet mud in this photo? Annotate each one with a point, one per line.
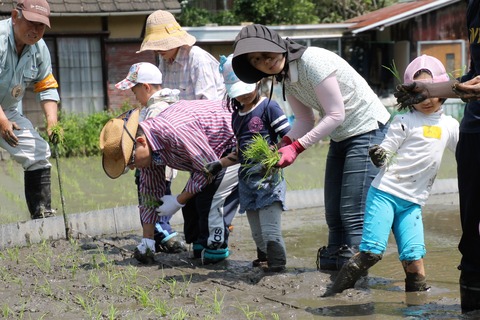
(96, 278)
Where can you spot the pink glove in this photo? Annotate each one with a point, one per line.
(284, 142)
(289, 154)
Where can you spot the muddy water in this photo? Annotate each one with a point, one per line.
(381, 295)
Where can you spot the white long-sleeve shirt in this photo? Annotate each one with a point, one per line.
(417, 141)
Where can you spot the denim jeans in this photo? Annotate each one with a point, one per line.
(348, 175)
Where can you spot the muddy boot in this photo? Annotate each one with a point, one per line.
(276, 257)
(38, 194)
(326, 259)
(261, 260)
(352, 271)
(415, 282)
(344, 254)
(469, 291)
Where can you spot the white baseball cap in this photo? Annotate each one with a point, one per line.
(142, 72)
(235, 87)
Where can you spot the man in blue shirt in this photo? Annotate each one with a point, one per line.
(25, 60)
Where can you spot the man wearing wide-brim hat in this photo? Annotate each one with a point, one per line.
(185, 136)
(184, 66)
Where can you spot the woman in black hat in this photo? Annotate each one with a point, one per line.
(315, 79)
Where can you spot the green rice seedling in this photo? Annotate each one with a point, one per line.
(249, 314)
(89, 306)
(44, 264)
(181, 314)
(13, 254)
(112, 312)
(217, 303)
(6, 311)
(175, 287)
(45, 287)
(93, 279)
(57, 134)
(199, 300)
(275, 316)
(7, 276)
(393, 69)
(160, 307)
(261, 157)
(142, 296)
(131, 273)
(389, 157)
(150, 202)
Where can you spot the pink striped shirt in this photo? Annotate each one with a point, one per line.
(185, 136)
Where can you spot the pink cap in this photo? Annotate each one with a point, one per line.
(432, 64)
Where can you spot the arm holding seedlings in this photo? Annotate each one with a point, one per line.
(384, 154)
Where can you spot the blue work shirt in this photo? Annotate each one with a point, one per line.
(17, 73)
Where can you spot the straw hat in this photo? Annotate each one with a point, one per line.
(116, 142)
(162, 32)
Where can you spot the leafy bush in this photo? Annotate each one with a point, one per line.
(81, 132)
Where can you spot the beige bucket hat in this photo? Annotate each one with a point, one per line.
(162, 33)
(116, 142)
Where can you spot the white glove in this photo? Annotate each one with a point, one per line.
(170, 206)
(146, 244)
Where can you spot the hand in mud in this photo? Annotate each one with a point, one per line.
(378, 155)
(411, 93)
(6, 130)
(468, 90)
(211, 169)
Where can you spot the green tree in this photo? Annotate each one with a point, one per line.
(331, 11)
(275, 12)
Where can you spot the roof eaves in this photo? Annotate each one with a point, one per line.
(106, 14)
(394, 19)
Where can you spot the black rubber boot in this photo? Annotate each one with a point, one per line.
(469, 291)
(352, 271)
(326, 259)
(345, 253)
(38, 194)
(276, 257)
(261, 259)
(415, 282)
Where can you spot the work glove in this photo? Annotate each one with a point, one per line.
(170, 206)
(211, 169)
(378, 155)
(289, 153)
(411, 93)
(146, 244)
